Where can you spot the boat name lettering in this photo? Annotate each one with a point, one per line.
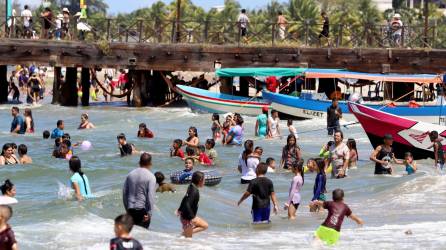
(313, 113)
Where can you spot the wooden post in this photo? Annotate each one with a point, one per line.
(56, 85)
(137, 77)
(69, 88)
(85, 81)
(244, 86)
(3, 84)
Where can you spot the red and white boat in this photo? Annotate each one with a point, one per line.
(408, 135)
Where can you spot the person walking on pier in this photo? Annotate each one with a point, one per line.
(325, 33)
(243, 22)
(27, 20)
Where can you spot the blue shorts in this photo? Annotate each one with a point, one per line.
(261, 214)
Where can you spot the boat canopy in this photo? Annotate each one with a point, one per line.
(234, 72)
(339, 73)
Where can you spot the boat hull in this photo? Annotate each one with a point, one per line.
(309, 109)
(409, 135)
(206, 101)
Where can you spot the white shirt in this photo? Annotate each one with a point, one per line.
(26, 14)
(6, 200)
(339, 154)
(249, 168)
(399, 23)
(274, 125)
(243, 20)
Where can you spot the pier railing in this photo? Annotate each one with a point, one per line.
(297, 33)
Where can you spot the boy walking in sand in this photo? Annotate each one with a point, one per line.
(262, 191)
(330, 231)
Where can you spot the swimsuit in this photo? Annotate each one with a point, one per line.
(262, 122)
(8, 162)
(409, 169)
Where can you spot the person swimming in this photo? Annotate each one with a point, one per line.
(188, 167)
(162, 186)
(144, 132)
(7, 156)
(8, 193)
(85, 123)
(203, 158)
(23, 154)
(216, 127)
(176, 150)
(125, 148)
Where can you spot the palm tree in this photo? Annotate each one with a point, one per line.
(304, 15)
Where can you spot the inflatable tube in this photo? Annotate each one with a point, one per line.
(211, 177)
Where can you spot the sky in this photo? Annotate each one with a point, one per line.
(126, 6)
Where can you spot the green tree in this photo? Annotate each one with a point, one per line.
(304, 15)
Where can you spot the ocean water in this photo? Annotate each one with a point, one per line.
(47, 218)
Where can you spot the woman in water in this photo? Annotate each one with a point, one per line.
(79, 181)
(29, 121)
(7, 157)
(216, 127)
(247, 173)
(261, 128)
(235, 135)
(290, 153)
(319, 188)
(8, 193)
(192, 141)
(144, 132)
(354, 157)
(226, 127)
(85, 124)
(294, 193)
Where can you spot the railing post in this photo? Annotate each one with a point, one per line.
(108, 29)
(140, 30)
(173, 33)
(42, 27)
(403, 34)
(434, 34)
(206, 31)
(341, 33)
(239, 33)
(273, 30)
(307, 30)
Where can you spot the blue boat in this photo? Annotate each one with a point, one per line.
(311, 104)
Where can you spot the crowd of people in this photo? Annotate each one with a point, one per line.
(29, 81)
(336, 158)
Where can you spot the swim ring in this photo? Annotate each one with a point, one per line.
(211, 177)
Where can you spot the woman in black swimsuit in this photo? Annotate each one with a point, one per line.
(7, 157)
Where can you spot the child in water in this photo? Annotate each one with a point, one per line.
(188, 167)
(271, 165)
(124, 147)
(294, 193)
(188, 209)
(439, 154)
(409, 163)
(330, 231)
(320, 183)
(210, 151)
(203, 157)
(216, 126)
(46, 134)
(123, 240)
(162, 186)
(292, 129)
(7, 237)
(79, 181)
(262, 191)
(226, 127)
(23, 157)
(176, 150)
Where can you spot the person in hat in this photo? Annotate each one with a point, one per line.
(66, 23)
(81, 26)
(397, 29)
(261, 129)
(383, 155)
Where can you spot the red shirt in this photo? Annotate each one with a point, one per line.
(179, 153)
(336, 214)
(204, 158)
(147, 134)
(272, 84)
(123, 79)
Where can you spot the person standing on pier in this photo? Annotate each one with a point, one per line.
(27, 19)
(397, 29)
(243, 22)
(139, 192)
(282, 23)
(47, 16)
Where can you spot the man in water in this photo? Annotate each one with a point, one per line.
(334, 113)
(139, 192)
(383, 155)
(17, 125)
(58, 132)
